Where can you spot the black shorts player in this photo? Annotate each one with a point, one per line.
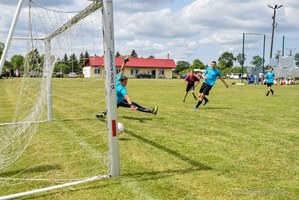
(205, 89)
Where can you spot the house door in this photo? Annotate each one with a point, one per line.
(154, 73)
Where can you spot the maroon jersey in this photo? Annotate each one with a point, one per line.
(191, 79)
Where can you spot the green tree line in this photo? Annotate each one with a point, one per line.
(70, 63)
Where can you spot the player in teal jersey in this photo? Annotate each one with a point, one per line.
(270, 81)
(210, 77)
(122, 96)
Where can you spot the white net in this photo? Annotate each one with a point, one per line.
(253, 46)
(286, 67)
(37, 152)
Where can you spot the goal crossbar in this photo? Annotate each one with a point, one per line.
(81, 15)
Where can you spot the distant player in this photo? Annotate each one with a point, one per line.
(270, 80)
(210, 77)
(191, 79)
(122, 96)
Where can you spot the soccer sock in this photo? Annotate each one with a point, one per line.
(268, 93)
(198, 103)
(206, 99)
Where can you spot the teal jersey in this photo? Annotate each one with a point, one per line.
(270, 77)
(211, 75)
(121, 90)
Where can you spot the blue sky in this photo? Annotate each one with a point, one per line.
(186, 29)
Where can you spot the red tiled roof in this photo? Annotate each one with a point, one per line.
(134, 62)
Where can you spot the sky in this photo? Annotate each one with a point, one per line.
(183, 29)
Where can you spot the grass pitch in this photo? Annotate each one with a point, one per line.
(241, 145)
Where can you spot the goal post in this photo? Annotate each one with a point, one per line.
(10, 34)
(109, 57)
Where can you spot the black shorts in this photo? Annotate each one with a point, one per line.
(269, 84)
(190, 87)
(205, 89)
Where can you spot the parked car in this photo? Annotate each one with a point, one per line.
(33, 74)
(59, 74)
(234, 76)
(3, 74)
(72, 75)
(143, 75)
(184, 76)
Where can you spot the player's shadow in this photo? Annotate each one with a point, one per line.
(194, 163)
(217, 108)
(36, 169)
(142, 119)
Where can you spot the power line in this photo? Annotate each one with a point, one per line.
(294, 27)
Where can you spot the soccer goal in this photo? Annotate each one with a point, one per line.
(50, 137)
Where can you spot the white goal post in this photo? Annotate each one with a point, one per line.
(109, 60)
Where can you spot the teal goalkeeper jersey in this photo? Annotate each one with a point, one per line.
(121, 90)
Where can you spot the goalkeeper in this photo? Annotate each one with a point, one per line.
(122, 97)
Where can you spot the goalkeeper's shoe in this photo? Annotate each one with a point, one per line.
(155, 110)
(101, 115)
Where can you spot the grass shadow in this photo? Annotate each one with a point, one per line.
(217, 108)
(36, 169)
(143, 119)
(139, 176)
(182, 157)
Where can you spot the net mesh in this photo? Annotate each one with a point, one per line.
(36, 152)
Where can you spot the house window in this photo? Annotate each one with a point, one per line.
(134, 72)
(97, 71)
(117, 70)
(161, 72)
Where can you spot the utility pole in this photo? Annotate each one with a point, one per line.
(274, 24)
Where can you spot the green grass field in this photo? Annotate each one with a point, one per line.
(241, 145)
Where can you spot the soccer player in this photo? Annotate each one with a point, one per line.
(270, 80)
(191, 79)
(122, 96)
(210, 77)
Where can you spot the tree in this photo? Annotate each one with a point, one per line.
(239, 59)
(257, 61)
(134, 54)
(86, 55)
(65, 59)
(226, 60)
(197, 64)
(117, 54)
(74, 63)
(297, 59)
(81, 59)
(151, 56)
(34, 60)
(60, 66)
(181, 65)
(2, 45)
(7, 64)
(18, 62)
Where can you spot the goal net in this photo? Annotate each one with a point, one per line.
(50, 136)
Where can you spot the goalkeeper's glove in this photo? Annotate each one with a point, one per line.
(126, 59)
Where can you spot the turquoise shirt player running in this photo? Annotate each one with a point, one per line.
(270, 81)
(210, 76)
